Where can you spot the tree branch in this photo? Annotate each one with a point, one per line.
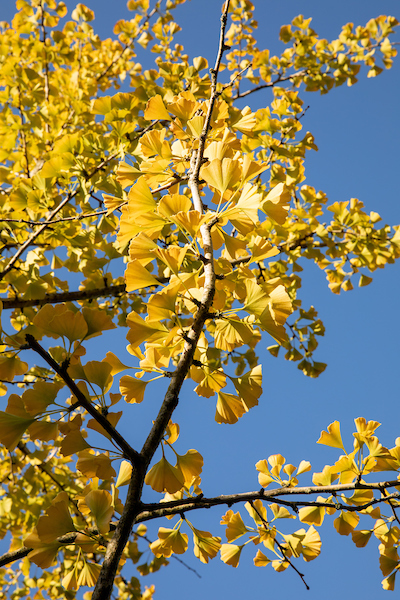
(174, 507)
(57, 297)
(127, 450)
(105, 582)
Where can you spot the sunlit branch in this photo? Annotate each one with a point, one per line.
(115, 548)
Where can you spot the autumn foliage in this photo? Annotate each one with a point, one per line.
(168, 209)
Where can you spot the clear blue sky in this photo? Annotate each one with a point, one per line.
(357, 131)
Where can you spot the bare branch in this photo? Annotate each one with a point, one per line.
(155, 510)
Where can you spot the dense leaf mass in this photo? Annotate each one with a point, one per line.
(168, 209)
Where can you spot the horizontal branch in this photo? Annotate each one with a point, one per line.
(64, 540)
(155, 510)
(57, 297)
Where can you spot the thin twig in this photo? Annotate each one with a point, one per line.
(23, 137)
(126, 46)
(281, 548)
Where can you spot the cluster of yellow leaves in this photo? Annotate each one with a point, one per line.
(368, 456)
(60, 139)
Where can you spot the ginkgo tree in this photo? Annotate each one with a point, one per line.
(168, 210)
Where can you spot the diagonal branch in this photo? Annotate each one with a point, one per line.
(131, 454)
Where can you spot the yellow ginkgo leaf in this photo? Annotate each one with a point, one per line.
(249, 387)
(127, 174)
(361, 537)
(206, 546)
(43, 430)
(39, 396)
(346, 522)
(388, 559)
(70, 580)
(100, 504)
(133, 389)
(92, 465)
(170, 541)
(303, 467)
(229, 408)
(99, 373)
(112, 418)
(388, 582)
(184, 105)
(140, 330)
(125, 473)
(155, 110)
(260, 560)
(42, 555)
(246, 121)
(313, 515)
(116, 365)
(261, 249)
(191, 464)
(97, 321)
(161, 305)
(138, 277)
(280, 305)
(251, 169)
(153, 144)
(257, 511)
(163, 477)
(235, 526)
(172, 257)
(332, 437)
(140, 198)
(276, 203)
(58, 321)
(173, 204)
(211, 383)
(231, 332)
(248, 204)
(311, 544)
(112, 203)
(189, 222)
(11, 366)
(73, 443)
(12, 428)
(222, 174)
(264, 477)
(89, 574)
(230, 554)
(58, 520)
